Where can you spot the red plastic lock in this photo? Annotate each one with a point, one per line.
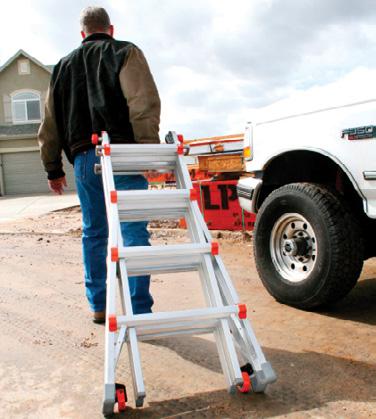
(180, 138)
(107, 150)
(214, 248)
(112, 323)
(182, 223)
(193, 195)
(180, 149)
(113, 197)
(114, 254)
(242, 311)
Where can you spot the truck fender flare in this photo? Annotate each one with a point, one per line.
(331, 157)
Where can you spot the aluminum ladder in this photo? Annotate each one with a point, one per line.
(224, 315)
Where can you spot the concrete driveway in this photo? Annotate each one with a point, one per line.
(16, 207)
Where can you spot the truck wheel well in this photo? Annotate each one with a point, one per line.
(308, 166)
(312, 167)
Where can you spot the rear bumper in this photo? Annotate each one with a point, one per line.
(248, 189)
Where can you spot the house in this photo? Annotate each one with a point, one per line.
(23, 87)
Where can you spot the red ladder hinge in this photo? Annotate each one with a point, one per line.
(242, 311)
(182, 223)
(114, 254)
(180, 149)
(107, 150)
(112, 323)
(114, 197)
(193, 195)
(180, 138)
(214, 248)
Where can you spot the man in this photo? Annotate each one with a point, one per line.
(103, 85)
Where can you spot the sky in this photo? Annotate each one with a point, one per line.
(220, 63)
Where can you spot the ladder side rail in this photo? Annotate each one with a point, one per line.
(225, 345)
(226, 286)
(249, 348)
(248, 340)
(119, 343)
(110, 337)
(132, 344)
(225, 339)
(136, 368)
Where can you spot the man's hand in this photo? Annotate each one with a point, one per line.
(56, 185)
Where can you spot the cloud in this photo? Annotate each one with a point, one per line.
(214, 60)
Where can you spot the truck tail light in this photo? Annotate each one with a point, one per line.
(248, 143)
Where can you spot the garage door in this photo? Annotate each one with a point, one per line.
(23, 173)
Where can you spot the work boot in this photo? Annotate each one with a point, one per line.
(99, 317)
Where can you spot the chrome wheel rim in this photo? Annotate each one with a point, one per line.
(293, 247)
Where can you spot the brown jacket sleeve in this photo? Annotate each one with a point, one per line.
(139, 89)
(50, 142)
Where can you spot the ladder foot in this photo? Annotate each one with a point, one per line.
(111, 406)
(261, 379)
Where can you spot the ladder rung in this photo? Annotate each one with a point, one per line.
(163, 259)
(152, 214)
(148, 333)
(144, 252)
(186, 318)
(141, 205)
(142, 157)
(153, 199)
(142, 150)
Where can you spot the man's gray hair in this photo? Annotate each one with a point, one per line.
(94, 19)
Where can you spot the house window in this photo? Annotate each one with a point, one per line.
(23, 67)
(26, 107)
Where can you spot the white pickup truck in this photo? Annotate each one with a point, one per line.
(312, 183)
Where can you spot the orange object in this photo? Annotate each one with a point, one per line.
(120, 396)
(247, 386)
(112, 323)
(247, 152)
(193, 195)
(215, 248)
(114, 254)
(94, 139)
(107, 150)
(242, 311)
(182, 223)
(114, 197)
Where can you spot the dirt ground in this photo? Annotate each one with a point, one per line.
(51, 354)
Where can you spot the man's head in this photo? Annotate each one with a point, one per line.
(95, 19)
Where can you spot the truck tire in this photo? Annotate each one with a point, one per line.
(308, 247)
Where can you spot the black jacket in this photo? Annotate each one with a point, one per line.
(104, 85)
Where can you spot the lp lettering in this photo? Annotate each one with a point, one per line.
(214, 200)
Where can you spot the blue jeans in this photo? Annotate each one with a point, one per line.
(95, 234)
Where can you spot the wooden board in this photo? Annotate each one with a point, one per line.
(221, 163)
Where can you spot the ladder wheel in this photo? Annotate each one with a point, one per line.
(120, 398)
(246, 387)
